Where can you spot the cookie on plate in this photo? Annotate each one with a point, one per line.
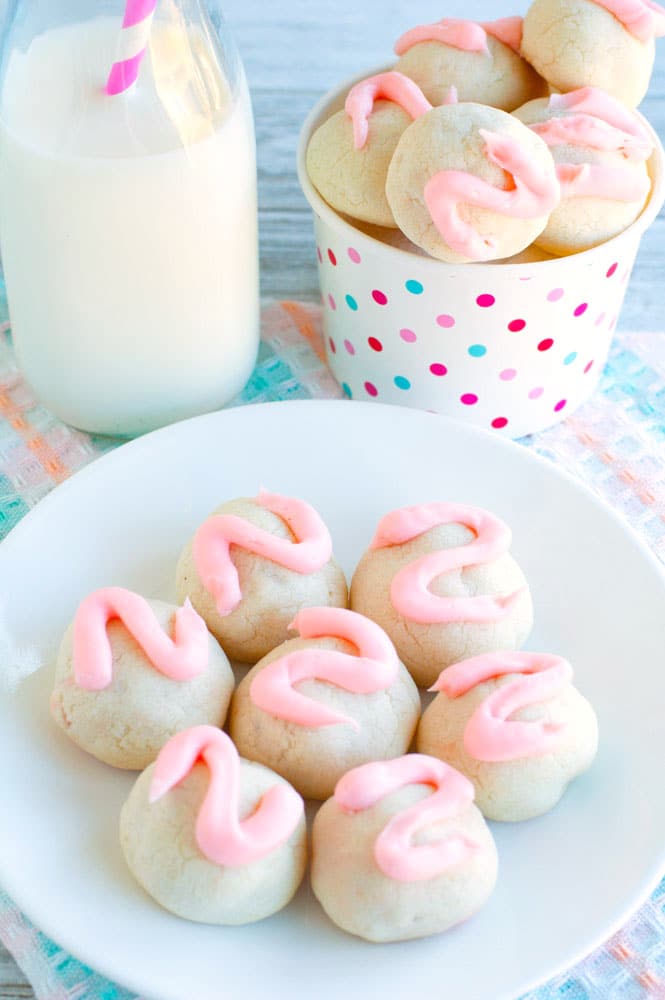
(326, 702)
(513, 723)
(439, 579)
(253, 565)
(211, 837)
(131, 673)
(400, 851)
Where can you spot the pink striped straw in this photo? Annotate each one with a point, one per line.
(133, 44)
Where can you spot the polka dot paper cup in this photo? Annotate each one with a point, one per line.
(514, 347)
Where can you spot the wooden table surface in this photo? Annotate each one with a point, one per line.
(294, 53)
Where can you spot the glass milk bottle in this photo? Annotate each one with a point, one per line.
(128, 217)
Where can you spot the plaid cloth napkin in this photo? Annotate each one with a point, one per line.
(615, 444)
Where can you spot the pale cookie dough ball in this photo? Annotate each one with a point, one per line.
(128, 722)
(455, 138)
(501, 79)
(379, 725)
(578, 43)
(159, 842)
(362, 898)
(352, 180)
(272, 595)
(583, 220)
(527, 785)
(426, 648)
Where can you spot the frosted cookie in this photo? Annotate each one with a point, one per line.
(482, 62)
(131, 673)
(598, 43)
(348, 156)
(253, 565)
(438, 578)
(322, 704)
(601, 150)
(400, 851)
(515, 726)
(211, 837)
(468, 182)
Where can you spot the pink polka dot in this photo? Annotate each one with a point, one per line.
(485, 301)
(332, 258)
(625, 276)
(319, 255)
(555, 295)
(371, 389)
(375, 344)
(499, 423)
(508, 374)
(612, 270)
(438, 369)
(469, 399)
(516, 325)
(600, 319)
(536, 393)
(380, 297)
(445, 321)
(408, 336)
(560, 405)
(588, 367)
(545, 345)
(332, 303)
(331, 344)
(350, 349)
(581, 309)
(354, 255)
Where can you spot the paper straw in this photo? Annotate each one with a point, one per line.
(132, 45)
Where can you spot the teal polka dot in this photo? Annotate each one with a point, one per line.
(414, 287)
(347, 390)
(477, 350)
(401, 382)
(351, 302)
(568, 360)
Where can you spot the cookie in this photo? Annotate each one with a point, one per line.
(318, 706)
(601, 150)
(468, 182)
(253, 565)
(131, 673)
(400, 851)
(211, 837)
(439, 579)
(513, 723)
(481, 61)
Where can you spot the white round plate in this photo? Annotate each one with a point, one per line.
(567, 880)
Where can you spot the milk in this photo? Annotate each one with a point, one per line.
(128, 228)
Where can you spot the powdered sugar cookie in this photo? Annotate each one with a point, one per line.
(468, 182)
(439, 579)
(598, 43)
(513, 723)
(211, 837)
(253, 565)
(601, 151)
(481, 61)
(400, 851)
(131, 673)
(318, 706)
(348, 156)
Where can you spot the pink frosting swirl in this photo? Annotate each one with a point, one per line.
(391, 86)
(533, 193)
(490, 734)
(212, 546)
(409, 589)
(220, 834)
(395, 852)
(642, 18)
(181, 658)
(375, 667)
(468, 36)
